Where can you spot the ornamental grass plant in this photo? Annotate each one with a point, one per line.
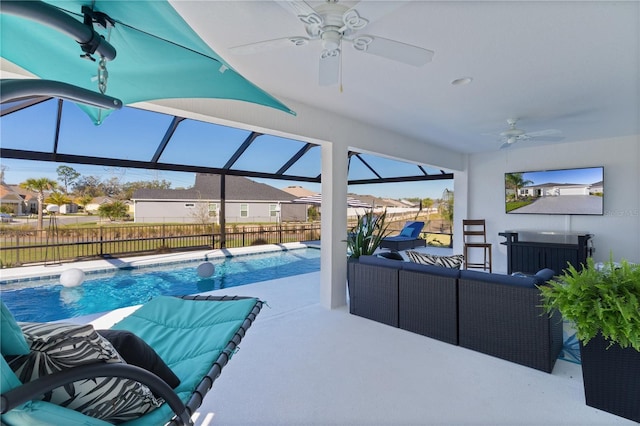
(365, 237)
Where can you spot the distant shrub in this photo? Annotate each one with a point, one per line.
(163, 250)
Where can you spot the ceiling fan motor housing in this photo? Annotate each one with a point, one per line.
(331, 39)
(333, 27)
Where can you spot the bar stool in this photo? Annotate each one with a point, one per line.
(475, 236)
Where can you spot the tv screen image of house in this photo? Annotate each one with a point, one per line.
(578, 191)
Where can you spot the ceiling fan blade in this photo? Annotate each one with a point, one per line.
(329, 68)
(391, 49)
(548, 132)
(552, 138)
(297, 7)
(546, 138)
(260, 46)
(374, 10)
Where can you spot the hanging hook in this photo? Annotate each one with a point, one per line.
(90, 46)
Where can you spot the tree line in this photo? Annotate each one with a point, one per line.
(72, 182)
(72, 187)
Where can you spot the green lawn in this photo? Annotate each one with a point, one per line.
(512, 205)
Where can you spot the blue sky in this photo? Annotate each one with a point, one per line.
(135, 134)
(582, 175)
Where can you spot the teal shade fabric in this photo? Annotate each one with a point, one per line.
(12, 341)
(158, 56)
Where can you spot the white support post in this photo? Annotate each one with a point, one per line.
(333, 257)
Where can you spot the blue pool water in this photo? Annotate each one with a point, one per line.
(47, 300)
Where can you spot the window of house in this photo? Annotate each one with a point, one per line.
(244, 210)
(273, 210)
(213, 209)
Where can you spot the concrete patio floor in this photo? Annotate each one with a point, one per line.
(301, 364)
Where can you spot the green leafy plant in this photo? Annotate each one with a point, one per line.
(365, 237)
(599, 300)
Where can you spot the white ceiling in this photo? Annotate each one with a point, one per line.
(573, 66)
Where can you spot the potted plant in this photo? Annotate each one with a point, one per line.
(604, 304)
(365, 237)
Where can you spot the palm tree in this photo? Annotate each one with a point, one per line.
(445, 208)
(58, 199)
(83, 201)
(39, 185)
(516, 181)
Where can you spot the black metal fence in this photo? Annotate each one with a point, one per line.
(20, 246)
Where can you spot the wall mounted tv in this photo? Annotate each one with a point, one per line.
(566, 191)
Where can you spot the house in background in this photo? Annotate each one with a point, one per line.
(69, 208)
(95, 204)
(11, 199)
(22, 201)
(555, 189)
(596, 188)
(245, 201)
(298, 191)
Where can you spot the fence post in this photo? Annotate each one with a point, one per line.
(100, 252)
(163, 234)
(17, 248)
(280, 233)
(213, 236)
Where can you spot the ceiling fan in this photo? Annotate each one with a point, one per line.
(513, 134)
(333, 24)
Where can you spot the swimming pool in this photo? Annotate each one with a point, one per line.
(47, 300)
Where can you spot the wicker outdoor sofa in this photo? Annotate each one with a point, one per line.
(496, 314)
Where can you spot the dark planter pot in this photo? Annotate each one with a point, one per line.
(351, 269)
(611, 378)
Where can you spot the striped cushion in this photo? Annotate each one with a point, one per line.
(454, 261)
(55, 347)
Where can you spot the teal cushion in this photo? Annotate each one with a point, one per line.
(188, 335)
(43, 413)
(8, 380)
(39, 412)
(12, 340)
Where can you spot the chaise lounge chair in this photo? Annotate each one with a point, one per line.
(195, 335)
(407, 239)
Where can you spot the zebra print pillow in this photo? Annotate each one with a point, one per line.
(55, 347)
(454, 262)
